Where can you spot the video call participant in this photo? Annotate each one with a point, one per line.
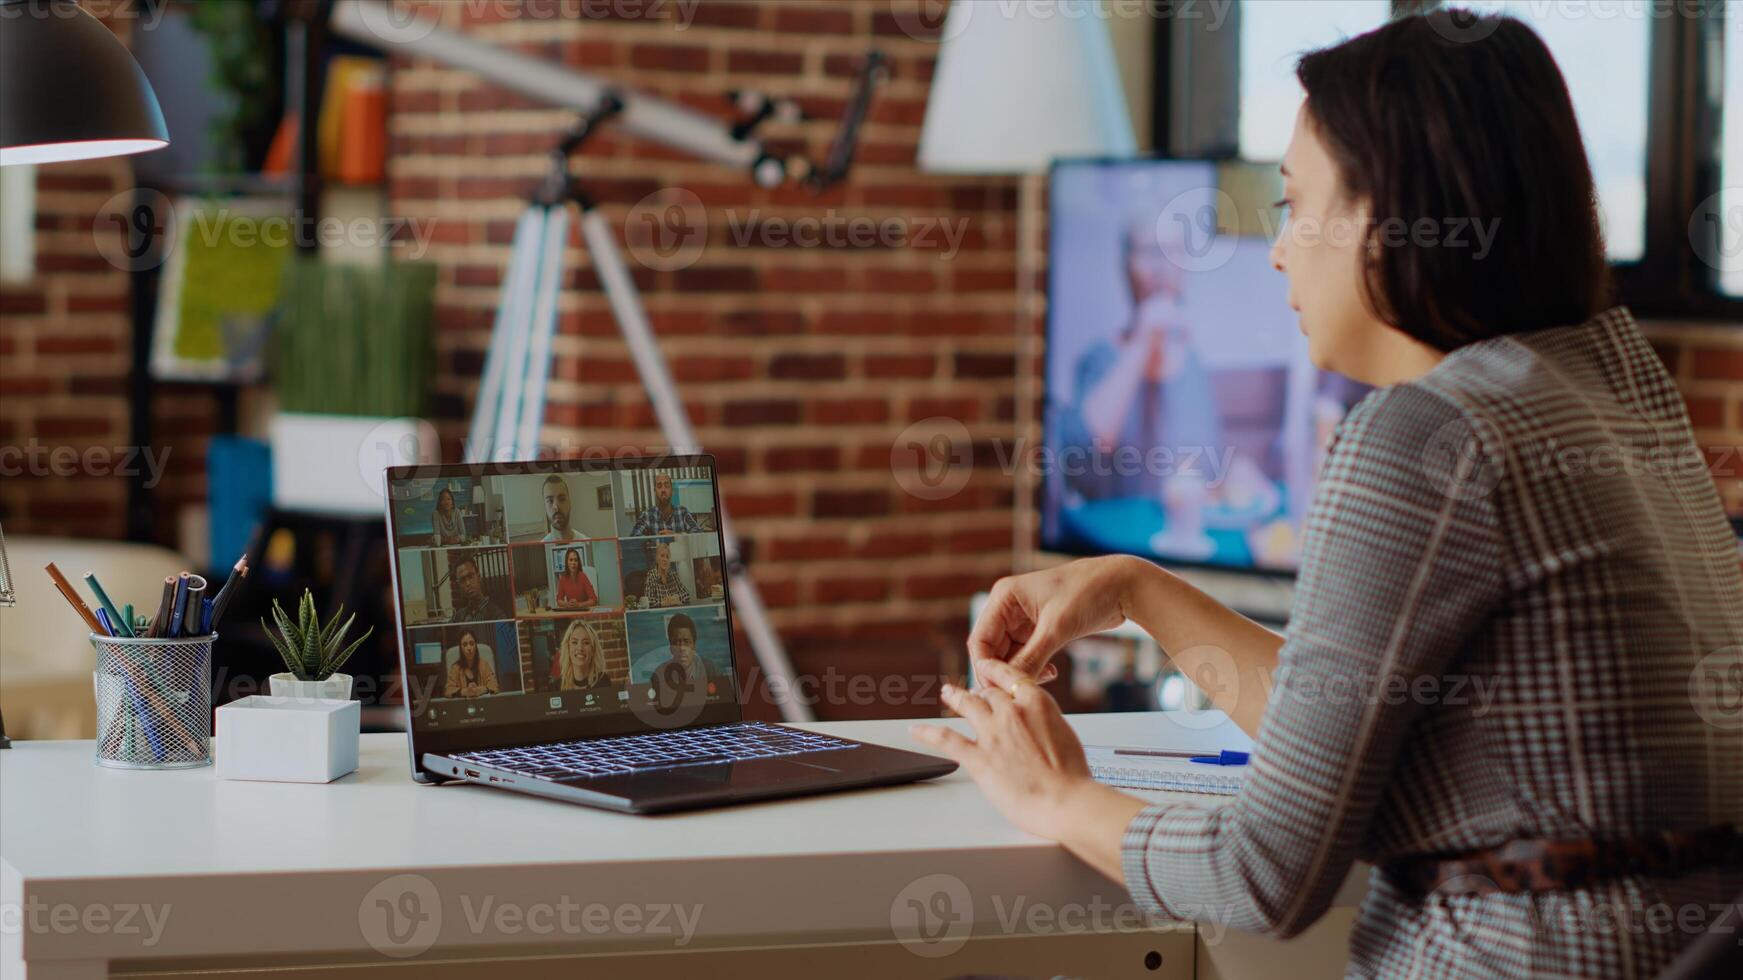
(663, 586)
(470, 603)
(556, 494)
(580, 662)
(665, 517)
(1146, 387)
(574, 589)
(448, 523)
(684, 675)
(470, 675)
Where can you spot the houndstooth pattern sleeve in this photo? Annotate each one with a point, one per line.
(1401, 564)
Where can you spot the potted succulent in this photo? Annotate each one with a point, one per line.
(312, 652)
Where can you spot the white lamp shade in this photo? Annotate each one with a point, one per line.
(1020, 84)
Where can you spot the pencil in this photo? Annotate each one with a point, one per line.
(72, 596)
(238, 572)
(179, 610)
(121, 628)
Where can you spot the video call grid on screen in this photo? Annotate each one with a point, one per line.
(1183, 417)
(505, 578)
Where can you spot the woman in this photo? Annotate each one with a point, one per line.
(470, 675)
(450, 526)
(581, 661)
(574, 589)
(1462, 538)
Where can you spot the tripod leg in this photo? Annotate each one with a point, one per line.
(650, 362)
(518, 282)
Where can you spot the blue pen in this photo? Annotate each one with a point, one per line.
(205, 617)
(103, 618)
(1223, 758)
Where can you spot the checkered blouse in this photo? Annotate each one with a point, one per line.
(1517, 589)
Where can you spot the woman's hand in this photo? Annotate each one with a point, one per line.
(1028, 618)
(1031, 765)
(1024, 756)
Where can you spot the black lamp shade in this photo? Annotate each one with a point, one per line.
(69, 89)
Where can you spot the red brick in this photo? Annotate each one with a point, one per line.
(66, 427)
(669, 57)
(788, 459)
(850, 411)
(985, 365)
(98, 304)
(961, 409)
(77, 345)
(22, 304)
(1706, 413)
(810, 547)
(765, 62)
(900, 366)
(742, 504)
(813, 18)
(945, 586)
(808, 367)
(832, 590)
(1717, 365)
(766, 411)
(896, 545)
(850, 503)
(697, 368)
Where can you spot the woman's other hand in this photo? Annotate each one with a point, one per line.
(1031, 765)
(1028, 618)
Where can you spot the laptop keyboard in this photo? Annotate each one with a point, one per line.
(655, 750)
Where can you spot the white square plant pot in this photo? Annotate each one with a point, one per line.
(288, 740)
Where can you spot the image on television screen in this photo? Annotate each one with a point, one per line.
(1184, 421)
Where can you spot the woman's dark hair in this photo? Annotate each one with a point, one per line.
(1443, 121)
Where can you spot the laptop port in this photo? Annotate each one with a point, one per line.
(473, 774)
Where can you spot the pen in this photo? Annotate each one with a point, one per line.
(72, 596)
(1223, 758)
(104, 625)
(195, 605)
(160, 622)
(120, 628)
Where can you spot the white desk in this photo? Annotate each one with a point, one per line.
(108, 872)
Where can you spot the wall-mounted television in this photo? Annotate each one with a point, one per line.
(1183, 419)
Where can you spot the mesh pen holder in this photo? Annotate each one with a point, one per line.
(154, 702)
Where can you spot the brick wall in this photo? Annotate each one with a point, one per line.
(799, 363)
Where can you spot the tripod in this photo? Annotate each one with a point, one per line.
(520, 348)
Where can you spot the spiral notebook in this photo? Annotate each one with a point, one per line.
(1136, 767)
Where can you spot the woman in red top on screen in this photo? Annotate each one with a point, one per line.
(574, 589)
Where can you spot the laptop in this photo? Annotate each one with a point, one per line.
(577, 642)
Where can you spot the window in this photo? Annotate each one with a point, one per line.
(1604, 51)
(1273, 36)
(1657, 88)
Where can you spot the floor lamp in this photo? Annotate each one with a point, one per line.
(69, 90)
(1011, 93)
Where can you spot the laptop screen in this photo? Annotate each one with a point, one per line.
(560, 598)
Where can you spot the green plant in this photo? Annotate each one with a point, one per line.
(355, 340)
(311, 651)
